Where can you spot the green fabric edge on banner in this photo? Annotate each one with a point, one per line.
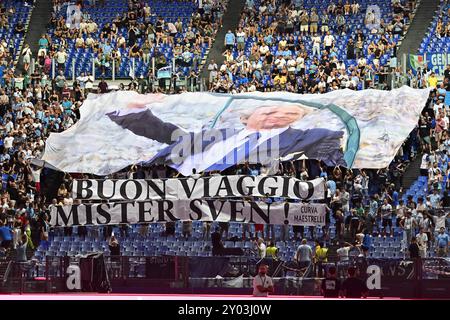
(351, 125)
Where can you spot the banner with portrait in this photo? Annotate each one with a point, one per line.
(212, 132)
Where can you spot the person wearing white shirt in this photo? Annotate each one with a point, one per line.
(422, 242)
(262, 283)
(9, 126)
(264, 49)
(362, 62)
(280, 62)
(8, 141)
(262, 249)
(328, 40)
(316, 40)
(300, 65)
(343, 251)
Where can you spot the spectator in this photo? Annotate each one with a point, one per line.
(217, 245)
(442, 243)
(114, 246)
(320, 258)
(261, 248)
(187, 228)
(422, 242)
(6, 235)
(414, 249)
(386, 215)
(229, 40)
(331, 286)
(262, 283)
(353, 287)
(21, 251)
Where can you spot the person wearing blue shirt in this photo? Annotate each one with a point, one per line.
(268, 39)
(331, 184)
(6, 236)
(67, 105)
(366, 243)
(435, 198)
(442, 240)
(395, 198)
(2, 72)
(229, 40)
(107, 49)
(441, 92)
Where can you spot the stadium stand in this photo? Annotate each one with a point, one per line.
(436, 38)
(129, 35)
(267, 54)
(14, 17)
(271, 50)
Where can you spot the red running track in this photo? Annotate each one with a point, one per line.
(115, 296)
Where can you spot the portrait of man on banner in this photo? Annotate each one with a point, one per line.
(247, 130)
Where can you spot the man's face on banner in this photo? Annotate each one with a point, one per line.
(274, 117)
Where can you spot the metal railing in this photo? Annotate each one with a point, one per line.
(399, 277)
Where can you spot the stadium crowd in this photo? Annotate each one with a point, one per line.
(282, 45)
(137, 34)
(361, 203)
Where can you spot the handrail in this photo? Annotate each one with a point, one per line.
(7, 272)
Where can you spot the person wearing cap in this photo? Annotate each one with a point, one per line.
(262, 283)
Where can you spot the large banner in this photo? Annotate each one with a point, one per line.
(207, 187)
(304, 214)
(212, 132)
(438, 61)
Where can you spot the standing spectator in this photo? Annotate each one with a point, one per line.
(331, 286)
(422, 242)
(261, 247)
(21, 251)
(61, 57)
(303, 255)
(316, 39)
(60, 82)
(320, 258)
(114, 246)
(6, 235)
(414, 249)
(442, 240)
(230, 40)
(216, 241)
(187, 228)
(262, 283)
(206, 230)
(240, 39)
(313, 19)
(43, 45)
(432, 81)
(386, 216)
(103, 86)
(212, 68)
(343, 251)
(408, 223)
(353, 287)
